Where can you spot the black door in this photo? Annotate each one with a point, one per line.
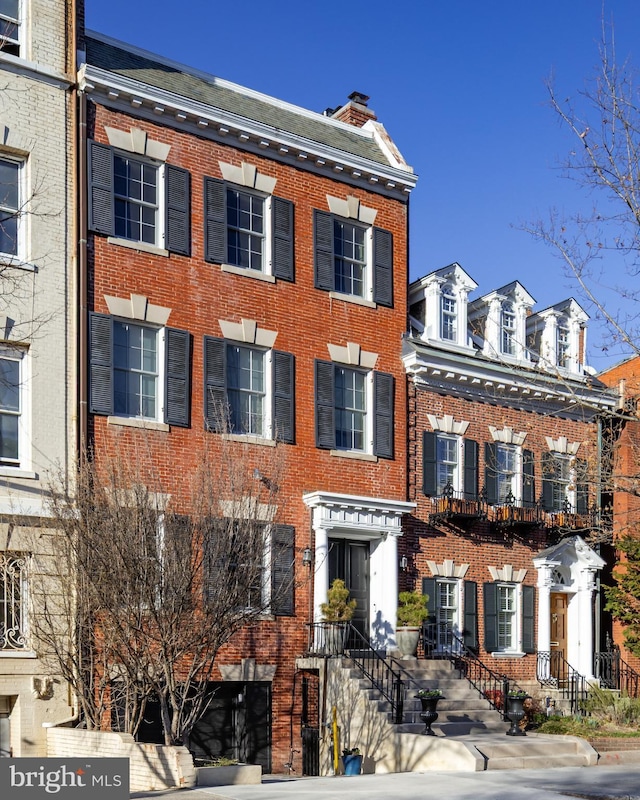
(349, 560)
(236, 724)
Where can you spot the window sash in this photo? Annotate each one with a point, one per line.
(350, 258)
(351, 409)
(506, 473)
(449, 312)
(13, 571)
(446, 611)
(245, 229)
(10, 410)
(560, 483)
(506, 617)
(246, 389)
(9, 206)
(136, 199)
(135, 370)
(447, 463)
(562, 337)
(508, 326)
(9, 21)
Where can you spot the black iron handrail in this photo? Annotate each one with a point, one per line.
(614, 673)
(331, 638)
(555, 671)
(451, 505)
(440, 641)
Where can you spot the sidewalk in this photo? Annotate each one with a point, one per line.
(563, 783)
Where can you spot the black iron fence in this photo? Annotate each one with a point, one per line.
(554, 671)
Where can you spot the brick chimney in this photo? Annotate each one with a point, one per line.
(355, 112)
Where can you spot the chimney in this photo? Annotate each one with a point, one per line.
(355, 112)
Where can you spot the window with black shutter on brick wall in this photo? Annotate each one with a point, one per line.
(139, 371)
(139, 199)
(354, 409)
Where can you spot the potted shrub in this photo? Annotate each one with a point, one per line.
(429, 701)
(337, 611)
(352, 761)
(412, 612)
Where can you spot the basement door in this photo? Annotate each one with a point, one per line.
(349, 560)
(236, 724)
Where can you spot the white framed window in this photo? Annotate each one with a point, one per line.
(246, 230)
(11, 201)
(507, 617)
(136, 370)
(12, 408)
(508, 329)
(352, 388)
(10, 27)
(447, 611)
(137, 199)
(448, 314)
(447, 462)
(350, 245)
(507, 473)
(248, 390)
(563, 343)
(13, 601)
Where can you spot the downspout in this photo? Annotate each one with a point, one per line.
(82, 193)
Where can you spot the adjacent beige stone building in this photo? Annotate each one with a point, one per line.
(37, 344)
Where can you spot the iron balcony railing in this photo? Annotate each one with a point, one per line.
(440, 641)
(452, 505)
(342, 638)
(614, 673)
(554, 670)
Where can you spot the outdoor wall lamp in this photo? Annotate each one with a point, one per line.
(404, 563)
(307, 557)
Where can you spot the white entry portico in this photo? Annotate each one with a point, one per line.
(567, 571)
(376, 522)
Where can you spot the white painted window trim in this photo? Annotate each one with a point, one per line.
(139, 421)
(20, 258)
(367, 452)
(23, 468)
(158, 247)
(516, 650)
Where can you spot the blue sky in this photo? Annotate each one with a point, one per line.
(459, 85)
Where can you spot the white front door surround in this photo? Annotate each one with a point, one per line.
(570, 567)
(377, 521)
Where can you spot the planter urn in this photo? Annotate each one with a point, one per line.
(515, 712)
(429, 714)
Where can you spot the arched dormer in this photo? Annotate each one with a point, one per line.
(438, 307)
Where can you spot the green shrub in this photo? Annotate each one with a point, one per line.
(412, 609)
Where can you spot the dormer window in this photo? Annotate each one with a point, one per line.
(449, 314)
(508, 329)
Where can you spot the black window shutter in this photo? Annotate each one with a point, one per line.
(324, 266)
(429, 473)
(284, 397)
(582, 487)
(429, 589)
(213, 572)
(547, 481)
(283, 238)
(177, 183)
(101, 207)
(215, 384)
(282, 566)
(528, 479)
(215, 221)
(491, 472)
(101, 363)
(177, 377)
(470, 619)
(325, 405)
(383, 267)
(470, 474)
(383, 390)
(528, 619)
(490, 617)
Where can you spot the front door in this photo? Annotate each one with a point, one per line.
(349, 560)
(558, 644)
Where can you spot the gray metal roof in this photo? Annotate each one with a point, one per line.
(135, 65)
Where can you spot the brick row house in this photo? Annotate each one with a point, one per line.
(503, 447)
(37, 347)
(248, 253)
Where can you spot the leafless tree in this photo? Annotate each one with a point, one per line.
(157, 578)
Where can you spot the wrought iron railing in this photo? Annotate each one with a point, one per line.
(614, 673)
(512, 514)
(331, 638)
(440, 641)
(555, 671)
(455, 505)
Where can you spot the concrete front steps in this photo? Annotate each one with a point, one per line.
(469, 734)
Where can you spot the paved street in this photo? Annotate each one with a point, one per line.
(621, 781)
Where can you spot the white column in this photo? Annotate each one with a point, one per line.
(321, 572)
(584, 628)
(383, 590)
